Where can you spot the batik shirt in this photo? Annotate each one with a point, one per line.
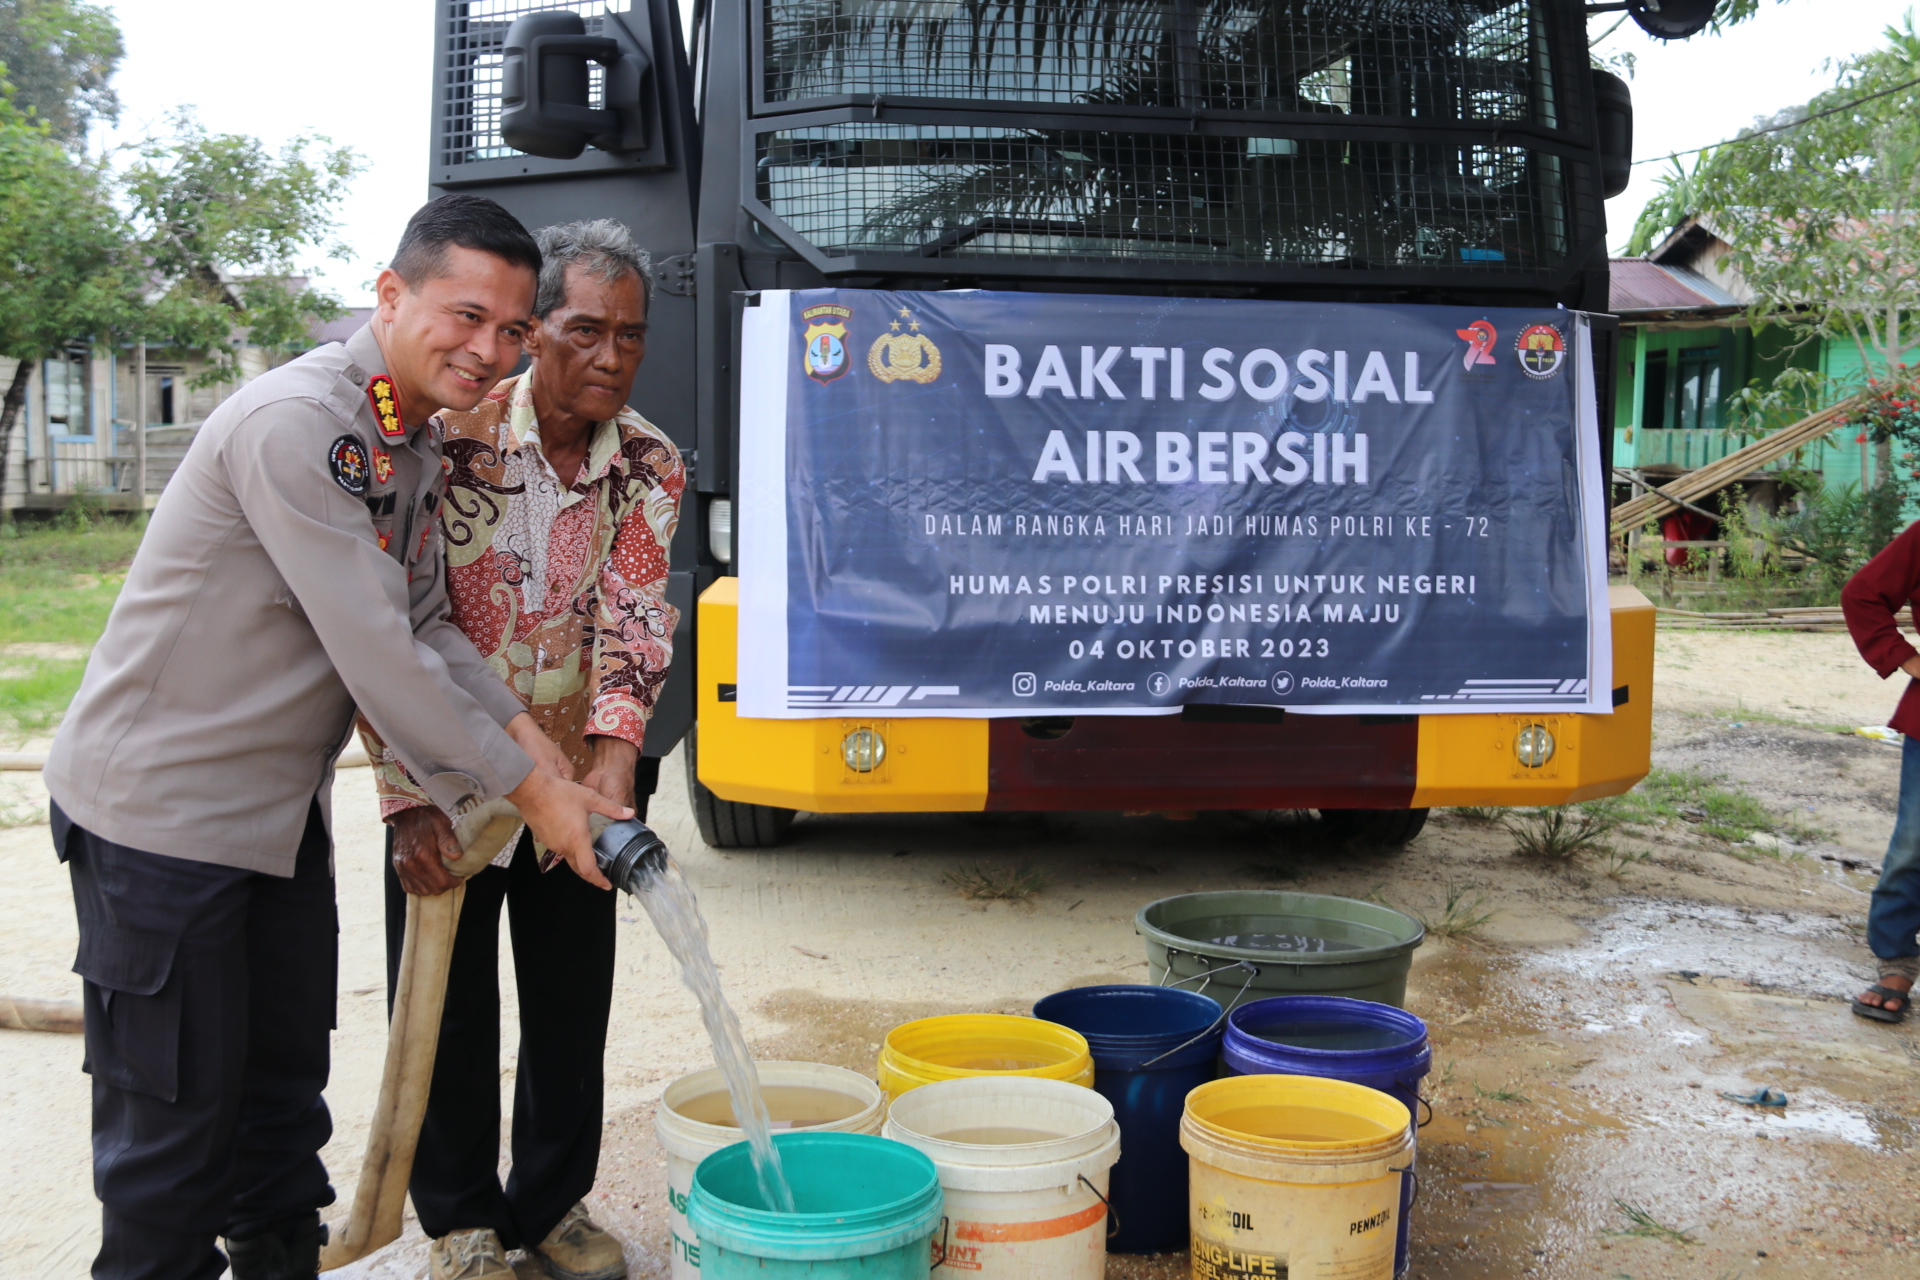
(561, 589)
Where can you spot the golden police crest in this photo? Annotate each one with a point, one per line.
(904, 356)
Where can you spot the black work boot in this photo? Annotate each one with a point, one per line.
(282, 1248)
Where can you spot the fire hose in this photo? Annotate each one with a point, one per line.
(628, 852)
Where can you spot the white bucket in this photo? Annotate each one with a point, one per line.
(695, 1119)
(1024, 1163)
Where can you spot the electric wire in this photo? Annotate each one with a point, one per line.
(1791, 124)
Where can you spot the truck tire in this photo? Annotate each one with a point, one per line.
(728, 824)
(1380, 828)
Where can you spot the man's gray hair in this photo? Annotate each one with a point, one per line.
(604, 247)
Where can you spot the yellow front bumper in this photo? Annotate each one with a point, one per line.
(946, 765)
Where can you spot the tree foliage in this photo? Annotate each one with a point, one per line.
(192, 241)
(60, 56)
(62, 242)
(62, 253)
(220, 222)
(1823, 216)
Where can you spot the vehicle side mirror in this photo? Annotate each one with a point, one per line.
(1613, 120)
(1670, 19)
(545, 82)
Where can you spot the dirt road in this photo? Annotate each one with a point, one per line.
(1584, 1033)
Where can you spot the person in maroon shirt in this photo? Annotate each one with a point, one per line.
(1886, 584)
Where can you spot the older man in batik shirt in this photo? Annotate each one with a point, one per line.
(560, 506)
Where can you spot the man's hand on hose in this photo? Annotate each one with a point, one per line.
(423, 844)
(556, 812)
(614, 760)
(542, 750)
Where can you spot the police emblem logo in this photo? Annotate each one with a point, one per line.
(386, 409)
(347, 459)
(826, 340)
(1541, 349)
(382, 466)
(904, 355)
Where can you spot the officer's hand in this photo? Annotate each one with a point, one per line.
(542, 750)
(423, 844)
(556, 812)
(614, 760)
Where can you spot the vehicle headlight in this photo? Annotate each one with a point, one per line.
(863, 750)
(1533, 745)
(720, 529)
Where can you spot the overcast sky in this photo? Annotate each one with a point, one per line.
(358, 72)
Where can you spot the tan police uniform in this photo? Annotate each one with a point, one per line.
(291, 571)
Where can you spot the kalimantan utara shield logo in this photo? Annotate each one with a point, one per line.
(826, 340)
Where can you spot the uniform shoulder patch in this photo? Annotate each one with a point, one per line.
(347, 459)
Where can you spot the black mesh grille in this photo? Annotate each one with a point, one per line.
(475, 30)
(945, 191)
(1465, 60)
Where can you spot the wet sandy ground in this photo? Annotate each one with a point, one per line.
(1583, 1035)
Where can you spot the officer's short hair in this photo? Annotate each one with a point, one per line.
(603, 247)
(472, 222)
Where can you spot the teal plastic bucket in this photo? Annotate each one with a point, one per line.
(866, 1209)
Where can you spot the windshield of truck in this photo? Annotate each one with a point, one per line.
(1291, 165)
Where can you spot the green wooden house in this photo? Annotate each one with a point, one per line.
(1686, 347)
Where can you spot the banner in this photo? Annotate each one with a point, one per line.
(1015, 504)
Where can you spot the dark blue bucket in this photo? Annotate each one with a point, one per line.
(1358, 1041)
(1151, 1047)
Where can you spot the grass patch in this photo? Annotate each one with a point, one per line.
(1705, 802)
(1643, 1224)
(1479, 812)
(1459, 916)
(1499, 1095)
(57, 584)
(984, 884)
(1562, 833)
(1616, 861)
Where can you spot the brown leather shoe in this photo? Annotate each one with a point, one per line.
(579, 1249)
(469, 1255)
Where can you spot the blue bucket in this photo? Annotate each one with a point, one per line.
(1151, 1046)
(1358, 1041)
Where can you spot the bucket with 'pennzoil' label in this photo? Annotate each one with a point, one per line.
(1294, 1176)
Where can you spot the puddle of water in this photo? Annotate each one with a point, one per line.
(669, 902)
(1806, 1113)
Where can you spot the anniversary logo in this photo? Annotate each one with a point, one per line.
(1024, 504)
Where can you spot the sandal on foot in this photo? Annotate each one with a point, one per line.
(1880, 1013)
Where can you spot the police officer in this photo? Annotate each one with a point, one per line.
(291, 572)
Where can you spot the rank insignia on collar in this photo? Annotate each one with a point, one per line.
(386, 409)
(347, 459)
(382, 466)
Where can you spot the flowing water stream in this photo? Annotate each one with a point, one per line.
(669, 902)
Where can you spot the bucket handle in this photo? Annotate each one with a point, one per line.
(1205, 979)
(1429, 1106)
(1413, 1173)
(946, 1229)
(1113, 1215)
(1253, 971)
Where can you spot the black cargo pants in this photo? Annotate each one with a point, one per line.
(209, 997)
(563, 945)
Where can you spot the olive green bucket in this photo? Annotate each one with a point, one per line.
(1249, 944)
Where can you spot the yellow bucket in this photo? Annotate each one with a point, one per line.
(982, 1044)
(1294, 1175)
